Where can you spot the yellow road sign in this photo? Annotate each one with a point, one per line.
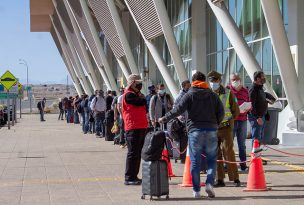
(8, 80)
(19, 86)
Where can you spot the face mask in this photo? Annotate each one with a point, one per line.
(139, 86)
(161, 92)
(214, 86)
(236, 83)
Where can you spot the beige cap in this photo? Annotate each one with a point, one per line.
(134, 77)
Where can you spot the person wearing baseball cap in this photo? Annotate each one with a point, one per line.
(225, 131)
(134, 116)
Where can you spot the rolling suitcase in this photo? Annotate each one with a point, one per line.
(155, 179)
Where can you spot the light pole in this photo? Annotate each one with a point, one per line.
(22, 61)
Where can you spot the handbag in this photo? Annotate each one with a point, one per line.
(115, 128)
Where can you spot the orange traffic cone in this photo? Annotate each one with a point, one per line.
(165, 156)
(256, 178)
(187, 177)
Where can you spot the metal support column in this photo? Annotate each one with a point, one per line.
(174, 89)
(171, 40)
(282, 52)
(94, 81)
(238, 42)
(93, 30)
(122, 35)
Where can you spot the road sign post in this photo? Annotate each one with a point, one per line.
(8, 111)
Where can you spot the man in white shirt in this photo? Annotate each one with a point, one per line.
(98, 106)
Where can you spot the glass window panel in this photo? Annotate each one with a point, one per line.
(247, 80)
(264, 28)
(219, 63)
(232, 9)
(212, 62)
(225, 62)
(247, 19)
(239, 8)
(232, 61)
(257, 51)
(190, 8)
(256, 19)
(219, 36)
(212, 32)
(266, 64)
(225, 41)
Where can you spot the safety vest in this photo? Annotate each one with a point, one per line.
(225, 100)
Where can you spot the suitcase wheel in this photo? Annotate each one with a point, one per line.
(143, 197)
(167, 197)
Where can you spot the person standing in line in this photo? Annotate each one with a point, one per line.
(76, 102)
(122, 140)
(92, 129)
(205, 113)
(98, 106)
(225, 138)
(160, 104)
(240, 123)
(85, 113)
(136, 123)
(70, 110)
(185, 86)
(61, 109)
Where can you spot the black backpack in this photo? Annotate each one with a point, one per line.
(153, 146)
(39, 105)
(176, 128)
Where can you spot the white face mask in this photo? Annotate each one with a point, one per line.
(214, 86)
(161, 92)
(236, 83)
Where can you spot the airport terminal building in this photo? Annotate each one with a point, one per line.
(166, 41)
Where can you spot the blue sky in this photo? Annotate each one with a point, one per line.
(17, 42)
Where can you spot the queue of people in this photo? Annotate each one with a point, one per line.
(210, 110)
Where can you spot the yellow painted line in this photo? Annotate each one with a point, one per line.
(288, 165)
(61, 181)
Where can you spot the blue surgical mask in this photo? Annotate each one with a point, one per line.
(214, 86)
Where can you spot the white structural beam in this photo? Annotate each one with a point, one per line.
(75, 80)
(74, 70)
(124, 41)
(238, 42)
(174, 89)
(104, 69)
(88, 64)
(78, 65)
(106, 72)
(170, 39)
(282, 52)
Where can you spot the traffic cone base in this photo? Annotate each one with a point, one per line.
(256, 178)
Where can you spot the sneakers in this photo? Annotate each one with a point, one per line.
(220, 183)
(237, 183)
(197, 194)
(210, 191)
(137, 181)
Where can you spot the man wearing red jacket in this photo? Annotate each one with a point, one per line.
(136, 123)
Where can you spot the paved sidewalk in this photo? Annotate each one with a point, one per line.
(53, 163)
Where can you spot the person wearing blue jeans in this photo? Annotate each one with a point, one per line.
(205, 113)
(240, 132)
(257, 130)
(98, 106)
(202, 141)
(99, 118)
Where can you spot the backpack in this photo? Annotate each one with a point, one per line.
(176, 128)
(39, 105)
(153, 146)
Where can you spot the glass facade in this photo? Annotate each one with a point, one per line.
(249, 17)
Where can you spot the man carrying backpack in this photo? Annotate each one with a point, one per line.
(41, 106)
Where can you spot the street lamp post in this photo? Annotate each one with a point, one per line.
(22, 61)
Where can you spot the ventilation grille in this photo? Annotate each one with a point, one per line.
(84, 26)
(146, 16)
(105, 20)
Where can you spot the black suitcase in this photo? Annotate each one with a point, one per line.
(155, 179)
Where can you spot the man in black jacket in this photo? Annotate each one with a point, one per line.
(205, 113)
(259, 106)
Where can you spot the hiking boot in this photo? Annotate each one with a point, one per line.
(237, 183)
(220, 183)
(196, 194)
(210, 191)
